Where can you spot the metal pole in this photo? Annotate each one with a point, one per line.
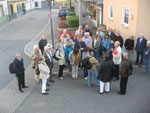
(70, 4)
(51, 23)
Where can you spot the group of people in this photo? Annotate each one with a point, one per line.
(86, 51)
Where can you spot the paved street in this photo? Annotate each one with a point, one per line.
(14, 37)
(65, 96)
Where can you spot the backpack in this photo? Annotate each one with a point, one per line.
(55, 54)
(129, 69)
(86, 63)
(12, 68)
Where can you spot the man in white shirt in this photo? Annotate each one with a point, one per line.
(117, 58)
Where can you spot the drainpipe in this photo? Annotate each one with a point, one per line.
(8, 10)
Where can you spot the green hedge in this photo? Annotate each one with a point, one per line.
(71, 13)
(72, 21)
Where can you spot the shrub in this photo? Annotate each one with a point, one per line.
(63, 25)
(71, 13)
(72, 21)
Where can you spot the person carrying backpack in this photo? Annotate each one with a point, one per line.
(20, 71)
(124, 72)
(60, 55)
(92, 71)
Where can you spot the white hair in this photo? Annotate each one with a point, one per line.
(65, 30)
(18, 54)
(125, 55)
(45, 48)
(118, 43)
(109, 28)
(148, 42)
(35, 47)
(118, 32)
(142, 34)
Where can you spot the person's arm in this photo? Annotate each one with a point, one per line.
(42, 68)
(100, 71)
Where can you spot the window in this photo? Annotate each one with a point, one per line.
(1, 11)
(125, 16)
(110, 12)
(36, 4)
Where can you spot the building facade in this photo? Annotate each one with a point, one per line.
(131, 17)
(4, 16)
(40, 3)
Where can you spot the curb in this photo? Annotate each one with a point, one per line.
(26, 46)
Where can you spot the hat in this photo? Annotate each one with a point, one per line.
(49, 45)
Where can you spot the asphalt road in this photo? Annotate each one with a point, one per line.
(14, 37)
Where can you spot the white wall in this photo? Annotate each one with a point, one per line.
(5, 7)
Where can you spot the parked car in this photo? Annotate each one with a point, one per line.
(63, 12)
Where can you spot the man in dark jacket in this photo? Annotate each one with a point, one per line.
(19, 69)
(110, 33)
(140, 47)
(105, 74)
(117, 37)
(81, 46)
(48, 61)
(87, 29)
(124, 74)
(42, 43)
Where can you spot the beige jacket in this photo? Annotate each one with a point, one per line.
(44, 70)
(93, 62)
(61, 55)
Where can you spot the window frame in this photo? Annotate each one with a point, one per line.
(109, 11)
(124, 15)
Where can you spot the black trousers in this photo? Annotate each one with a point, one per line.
(85, 72)
(123, 85)
(61, 67)
(138, 56)
(116, 73)
(21, 80)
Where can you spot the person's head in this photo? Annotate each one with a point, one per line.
(46, 49)
(125, 55)
(109, 29)
(107, 57)
(86, 49)
(148, 43)
(75, 50)
(99, 29)
(91, 52)
(141, 35)
(42, 37)
(59, 45)
(36, 48)
(98, 34)
(106, 36)
(18, 55)
(117, 33)
(117, 44)
(79, 39)
(86, 34)
(112, 42)
(95, 37)
(87, 26)
(131, 37)
(80, 28)
(41, 58)
(68, 43)
(65, 31)
(49, 45)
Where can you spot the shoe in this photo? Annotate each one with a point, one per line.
(100, 93)
(51, 81)
(145, 73)
(47, 90)
(85, 78)
(120, 93)
(21, 91)
(47, 84)
(61, 78)
(25, 87)
(106, 91)
(45, 93)
(53, 74)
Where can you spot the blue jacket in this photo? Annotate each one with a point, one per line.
(106, 43)
(146, 56)
(68, 49)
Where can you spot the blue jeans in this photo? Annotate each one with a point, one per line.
(97, 54)
(95, 74)
(146, 65)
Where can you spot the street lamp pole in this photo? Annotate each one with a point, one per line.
(51, 23)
